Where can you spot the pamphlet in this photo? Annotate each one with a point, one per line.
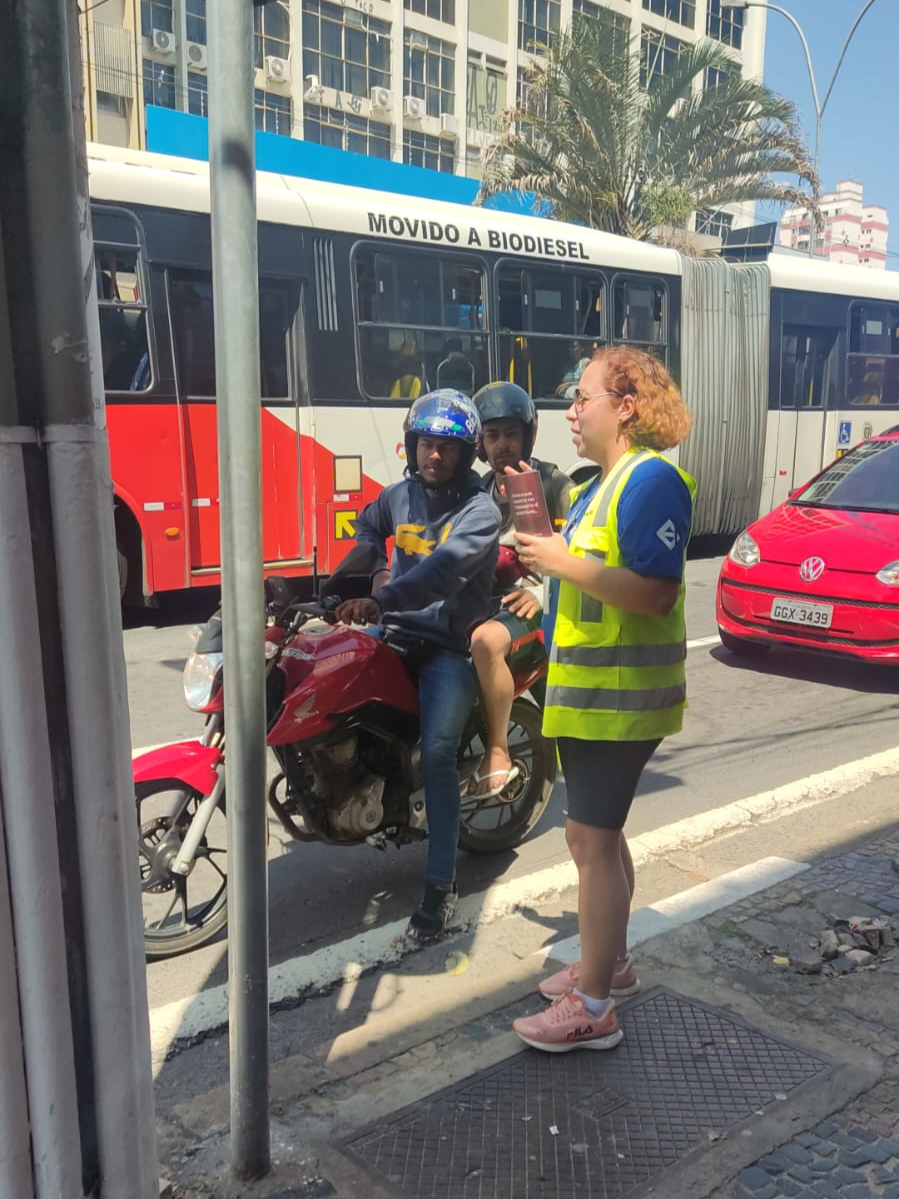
(527, 501)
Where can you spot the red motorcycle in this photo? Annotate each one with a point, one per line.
(343, 724)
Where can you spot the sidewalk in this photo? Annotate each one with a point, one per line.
(740, 1076)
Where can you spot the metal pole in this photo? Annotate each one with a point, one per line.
(62, 637)
(235, 283)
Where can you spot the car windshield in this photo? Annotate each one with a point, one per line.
(866, 479)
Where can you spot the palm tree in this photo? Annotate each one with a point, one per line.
(605, 150)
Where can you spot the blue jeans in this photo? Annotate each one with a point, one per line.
(447, 685)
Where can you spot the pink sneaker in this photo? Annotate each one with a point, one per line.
(624, 980)
(566, 1024)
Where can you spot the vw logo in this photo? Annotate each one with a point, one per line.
(811, 569)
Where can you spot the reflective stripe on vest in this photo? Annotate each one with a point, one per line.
(611, 700)
(622, 655)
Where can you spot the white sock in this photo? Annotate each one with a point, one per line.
(596, 1007)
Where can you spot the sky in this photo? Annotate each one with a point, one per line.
(859, 138)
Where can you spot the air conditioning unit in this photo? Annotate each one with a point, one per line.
(449, 125)
(163, 42)
(413, 107)
(312, 89)
(196, 56)
(381, 99)
(277, 69)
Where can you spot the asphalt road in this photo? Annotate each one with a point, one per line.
(752, 725)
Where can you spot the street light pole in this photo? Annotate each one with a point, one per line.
(819, 105)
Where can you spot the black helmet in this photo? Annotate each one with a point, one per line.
(443, 413)
(507, 401)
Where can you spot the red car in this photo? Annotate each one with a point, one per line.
(822, 570)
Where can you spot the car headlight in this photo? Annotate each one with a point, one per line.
(745, 551)
(889, 574)
(200, 674)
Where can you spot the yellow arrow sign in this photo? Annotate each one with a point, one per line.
(344, 524)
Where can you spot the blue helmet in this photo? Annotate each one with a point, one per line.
(443, 413)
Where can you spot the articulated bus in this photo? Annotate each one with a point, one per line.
(369, 299)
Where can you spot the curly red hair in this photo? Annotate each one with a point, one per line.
(662, 419)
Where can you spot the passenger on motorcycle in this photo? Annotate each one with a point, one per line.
(508, 428)
(445, 529)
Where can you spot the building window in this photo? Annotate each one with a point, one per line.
(197, 94)
(159, 84)
(195, 12)
(421, 322)
(681, 11)
(726, 26)
(155, 14)
(437, 10)
(714, 222)
(615, 26)
(273, 113)
(272, 24)
(434, 153)
(429, 72)
(538, 21)
(343, 130)
(715, 76)
(659, 53)
(109, 102)
(346, 49)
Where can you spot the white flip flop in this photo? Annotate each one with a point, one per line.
(508, 776)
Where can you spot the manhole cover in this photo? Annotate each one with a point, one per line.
(588, 1124)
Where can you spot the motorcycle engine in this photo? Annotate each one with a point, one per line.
(352, 795)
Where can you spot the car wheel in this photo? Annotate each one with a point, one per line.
(742, 646)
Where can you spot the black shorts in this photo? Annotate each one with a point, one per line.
(601, 778)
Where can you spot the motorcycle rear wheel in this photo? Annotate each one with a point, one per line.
(181, 912)
(500, 823)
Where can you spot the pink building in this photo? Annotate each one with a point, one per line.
(851, 230)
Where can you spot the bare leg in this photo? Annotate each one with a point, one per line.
(603, 903)
(490, 643)
(627, 863)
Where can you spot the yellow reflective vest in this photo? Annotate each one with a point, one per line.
(613, 675)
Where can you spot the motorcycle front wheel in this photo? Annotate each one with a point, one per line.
(181, 912)
(502, 822)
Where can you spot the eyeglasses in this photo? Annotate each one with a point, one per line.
(582, 399)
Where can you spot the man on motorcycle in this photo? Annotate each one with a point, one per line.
(445, 529)
(508, 427)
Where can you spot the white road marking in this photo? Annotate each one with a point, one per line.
(701, 900)
(699, 641)
(347, 960)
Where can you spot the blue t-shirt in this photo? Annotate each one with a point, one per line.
(655, 511)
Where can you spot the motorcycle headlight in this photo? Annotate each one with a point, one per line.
(889, 574)
(200, 674)
(745, 551)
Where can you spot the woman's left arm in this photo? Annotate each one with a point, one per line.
(615, 585)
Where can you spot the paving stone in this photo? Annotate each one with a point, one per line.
(891, 1192)
(802, 1174)
(885, 1174)
(860, 1191)
(774, 1163)
(808, 1139)
(788, 1186)
(844, 1140)
(796, 1153)
(754, 1180)
(845, 1177)
(826, 1189)
(863, 1134)
(893, 1147)
(854, 1157)
(826, 1130)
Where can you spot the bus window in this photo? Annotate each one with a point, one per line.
(192, 323)
(421, 324)
(639, 313)
(550, 323)
(808, 367)
(123, 318)
(872, 374)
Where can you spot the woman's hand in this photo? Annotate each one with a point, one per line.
(545, 555)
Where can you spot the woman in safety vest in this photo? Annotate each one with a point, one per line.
(616, 675)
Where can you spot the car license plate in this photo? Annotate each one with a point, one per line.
(790, 611)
